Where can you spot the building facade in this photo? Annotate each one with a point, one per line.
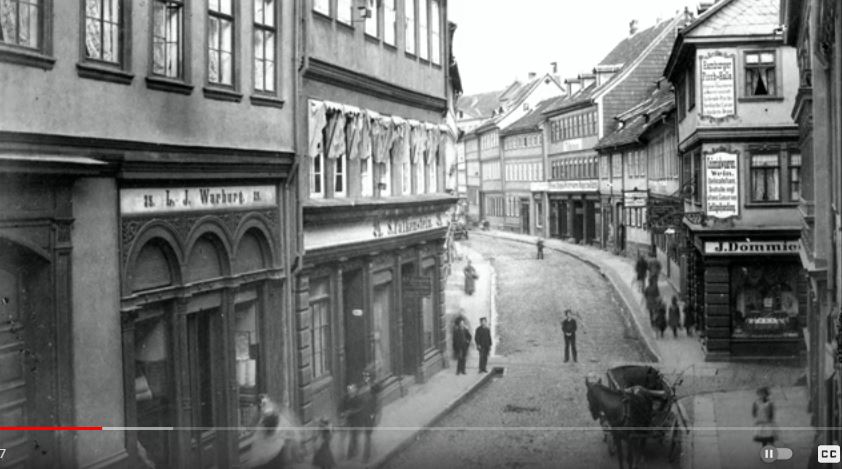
(741, 173)
(375, 210)
(146, 237)
(813, 28)
(523, 153)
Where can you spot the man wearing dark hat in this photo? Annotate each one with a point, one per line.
(482, 336)
(568, 327)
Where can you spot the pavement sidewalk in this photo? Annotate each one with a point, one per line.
(423, 405)
(683, 356)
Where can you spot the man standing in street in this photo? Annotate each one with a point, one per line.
(540, 245)
(568, 326)
(470, 278)
(461, 342)
(482, 336)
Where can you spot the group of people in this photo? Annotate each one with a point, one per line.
(660, 315)
(462, 343)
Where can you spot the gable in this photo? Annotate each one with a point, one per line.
(739, 18)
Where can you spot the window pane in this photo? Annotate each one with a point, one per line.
(435, 27)
(409, 8)
(153, 388)
(259, 11)
(371, 21)
(423, 37)
(752, 58)
(247, 354)
(343, 12)
(270, 76)
(767, 57)
(382, 307)
(764, 160)
(322, 6)
(93, 42)
(225, 6)
(258, 74)
(226, 28)
(269, 12)
(390, 22)
(111, 42)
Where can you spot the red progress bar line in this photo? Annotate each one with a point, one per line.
(50, 429)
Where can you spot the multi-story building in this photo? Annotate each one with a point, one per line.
(470, 143)
(812, 26)
(145, 235)
(523, 157)
(577, 121)
(373, 93)
(644, 180)
(735, 84)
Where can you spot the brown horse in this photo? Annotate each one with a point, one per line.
(627, 415)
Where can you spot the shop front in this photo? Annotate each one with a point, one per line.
(574, 208)
(202, 317)
(753, 294)
(370, 298)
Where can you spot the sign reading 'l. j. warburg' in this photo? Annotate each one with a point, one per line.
(738, 248)
(180, 199)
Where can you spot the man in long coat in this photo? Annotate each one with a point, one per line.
(461, 342)
(482, 337)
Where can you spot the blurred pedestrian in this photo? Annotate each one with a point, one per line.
(640, 268)
(351, 412)
(652, 295)
(674, 316)
(461, 344)
(568, 327)
(370, 410)
(540, 245)
(482, 337)
(470, 278)
(661, 316)
(323, 458)
(763, 411)
(689, 318)
(277, 439)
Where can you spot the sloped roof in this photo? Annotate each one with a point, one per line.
(737, 18)
(624, 53)
(478, 105)
(531, 120)
(631, 47)
(641, 117)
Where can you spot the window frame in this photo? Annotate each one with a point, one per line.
(410, 27)
(776, 72)
(350, 10)
(41, 55)
(320, 175)
(178, 83)
(101, 69)
(751, 172)
(435, 32)
(794, 180)
(264, 28)
(423, 20)
(394, 27)
(336, 174)
(374, 18)
(233, 18)
(325, 352)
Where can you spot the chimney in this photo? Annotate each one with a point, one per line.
(555, 67)
(531, 76)
(587, 79)
(573, 86)
(632, 27)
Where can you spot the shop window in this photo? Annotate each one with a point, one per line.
(428, 311)
(382, 307)
(221, 42)
(153, 387)
(167, 38)
(760, 74)
(390, 20)
(339, 176)
(247, 356)
(322, 6)
(409, 25)
(320, 327)
(344, 11)
(765, 178)
(372, 20)
(794, 177)
(765, 299)
(317, 176)
(103, 31)
(265, 34)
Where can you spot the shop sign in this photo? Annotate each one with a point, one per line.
(586, 185)
(635, 199)
(717, 86)
(741, 248)
(381, 228)
(572, 144)
(193, 199)
(722, 185)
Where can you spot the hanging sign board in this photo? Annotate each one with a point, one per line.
(717, 83)
(722, 185)
(750, 248)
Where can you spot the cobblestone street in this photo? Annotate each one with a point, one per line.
(517, 420)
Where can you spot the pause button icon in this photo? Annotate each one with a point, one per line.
(768, 454)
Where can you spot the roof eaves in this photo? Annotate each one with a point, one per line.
(704, 16)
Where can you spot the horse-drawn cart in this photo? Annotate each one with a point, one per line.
(637, 405)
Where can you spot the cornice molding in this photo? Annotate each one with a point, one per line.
(331, 74)
(737, 134)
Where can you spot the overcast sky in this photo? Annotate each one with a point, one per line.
(497, 41)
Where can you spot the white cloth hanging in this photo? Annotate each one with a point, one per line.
(316, 124)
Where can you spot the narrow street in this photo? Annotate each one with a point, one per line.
(518, 420)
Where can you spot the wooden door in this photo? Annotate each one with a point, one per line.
(524, 216)
(205, 388)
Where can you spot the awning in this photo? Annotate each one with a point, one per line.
(30, 162)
